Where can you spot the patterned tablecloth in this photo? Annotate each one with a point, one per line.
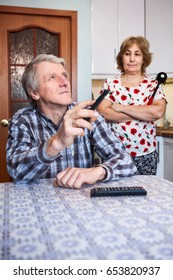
(38, 221)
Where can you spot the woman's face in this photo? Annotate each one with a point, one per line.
(132, 60)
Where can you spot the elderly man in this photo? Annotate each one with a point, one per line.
(53, 137)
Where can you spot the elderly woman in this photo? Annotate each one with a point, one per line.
(126, 109)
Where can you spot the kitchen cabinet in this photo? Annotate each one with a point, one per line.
(115, 20)
(159, 23)
(131, 19)
(165, 157)
(160, 150)
(112, 22)
(104, 30)
(168, 158)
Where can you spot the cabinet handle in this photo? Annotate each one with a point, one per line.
(115, 59)
(158, 151)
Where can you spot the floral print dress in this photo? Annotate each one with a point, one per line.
(139, 137)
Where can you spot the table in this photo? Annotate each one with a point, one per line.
(39, 221)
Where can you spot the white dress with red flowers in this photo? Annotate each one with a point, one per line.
(139, 137)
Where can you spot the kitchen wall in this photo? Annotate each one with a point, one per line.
(84, 35)
(168, 90)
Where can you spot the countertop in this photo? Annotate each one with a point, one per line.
(164, 132)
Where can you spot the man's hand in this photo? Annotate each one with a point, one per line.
(73, 177)
(73, 125)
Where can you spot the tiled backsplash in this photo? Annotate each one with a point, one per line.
(96, 87)
(168, 89)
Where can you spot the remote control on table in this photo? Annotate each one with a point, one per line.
(117, 191)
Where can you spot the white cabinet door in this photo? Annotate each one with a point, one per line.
(131, 18)
(115, 20)
(168, 158)
(159, 25)
(160, 150)
(104, 36)
(112, 22)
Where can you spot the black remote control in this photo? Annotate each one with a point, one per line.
(98, 101)
(117, 191)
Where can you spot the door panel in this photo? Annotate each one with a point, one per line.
(24, 44)
(12, 19)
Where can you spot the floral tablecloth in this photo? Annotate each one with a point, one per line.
(39, 221)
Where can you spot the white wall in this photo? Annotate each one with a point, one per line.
(84, 35)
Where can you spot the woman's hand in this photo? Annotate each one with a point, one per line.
(112, 112)
(145, 113)
(117, 107)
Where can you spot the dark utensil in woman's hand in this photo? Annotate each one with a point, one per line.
(161, 78)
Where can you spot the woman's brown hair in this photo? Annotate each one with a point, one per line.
(143, 45)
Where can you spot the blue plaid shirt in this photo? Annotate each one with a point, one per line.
(29, 131)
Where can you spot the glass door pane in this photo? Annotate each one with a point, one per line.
(24, 45)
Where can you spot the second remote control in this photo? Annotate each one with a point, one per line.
(117, 191)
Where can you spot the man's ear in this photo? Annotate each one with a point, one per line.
(34, 95)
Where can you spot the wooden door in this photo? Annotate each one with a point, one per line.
(63, 25)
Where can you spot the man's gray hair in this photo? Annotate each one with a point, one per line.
(29, 77)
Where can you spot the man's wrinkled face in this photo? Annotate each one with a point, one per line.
(54, 85)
